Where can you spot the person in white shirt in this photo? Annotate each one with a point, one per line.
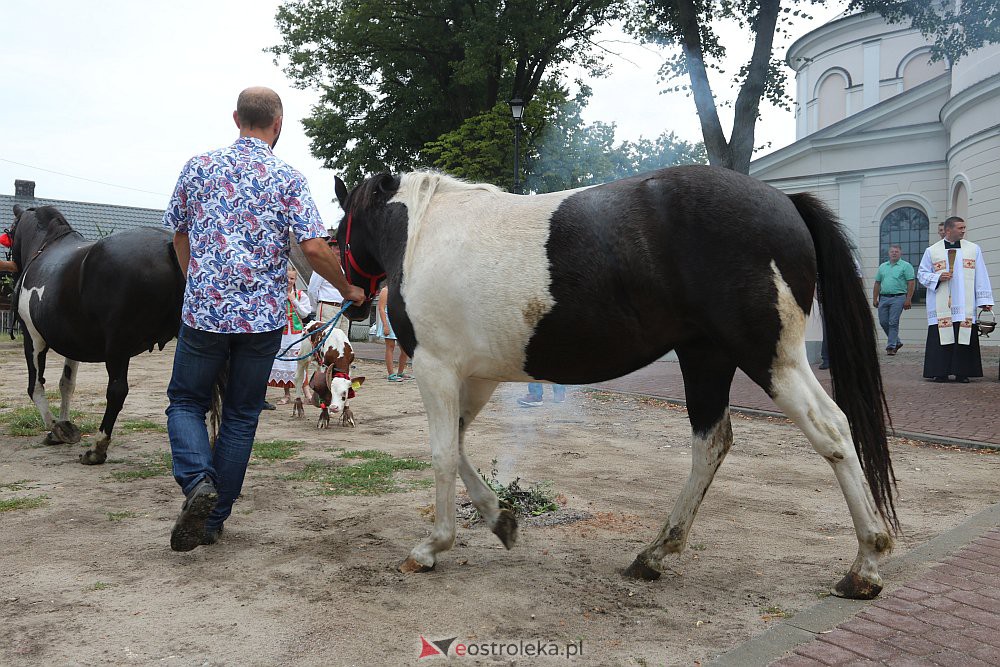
(327, 298)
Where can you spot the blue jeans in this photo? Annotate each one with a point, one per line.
(889, 310)
(535, 391)
(199, 358)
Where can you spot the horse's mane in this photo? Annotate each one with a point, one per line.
(417, 189)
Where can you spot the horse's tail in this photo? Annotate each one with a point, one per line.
(218, 393)
(853, 355)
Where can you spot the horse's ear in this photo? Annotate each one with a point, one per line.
(341, 190)
(17, 211)
(388, 184)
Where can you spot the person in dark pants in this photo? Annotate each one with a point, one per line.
(892, 293)
(232, 213)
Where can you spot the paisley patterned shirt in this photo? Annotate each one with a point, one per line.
(238, 206)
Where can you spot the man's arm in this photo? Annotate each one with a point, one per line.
(182, 246)
(911, 284)
(876, 290)
(325, 262)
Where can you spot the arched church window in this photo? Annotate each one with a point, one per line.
(960, 201)
(916, 68)
(907, 226)
(831, 95)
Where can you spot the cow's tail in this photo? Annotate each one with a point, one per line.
(853, 353)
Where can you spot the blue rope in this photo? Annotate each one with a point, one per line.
(326, 325)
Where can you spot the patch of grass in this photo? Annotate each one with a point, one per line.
(119, 516)
(14, 504)
(698, 547)
(100, 586)
(774, 611)
(373, 476)
(536, 499)
(137, 425)
(275, 450)
(153, 465)
(26, 421)
(601, 396)
(19, 485)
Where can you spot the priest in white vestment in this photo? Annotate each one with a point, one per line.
(954, 273)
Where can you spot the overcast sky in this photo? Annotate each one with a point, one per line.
(122, 93)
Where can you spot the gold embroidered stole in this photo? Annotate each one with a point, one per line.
(944, 260)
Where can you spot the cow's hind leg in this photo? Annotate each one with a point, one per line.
(64, 429)
(708, 374)
(35, 350)
(800, 396)
(503, 523)
(440, 389)
(117, 391)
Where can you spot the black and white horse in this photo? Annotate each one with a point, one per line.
(487, 287)
(91, 302)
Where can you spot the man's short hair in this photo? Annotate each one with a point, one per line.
(952, 221)
(896, 246)
(258, 107)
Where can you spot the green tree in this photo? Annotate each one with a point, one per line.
(558, 150)
(395, 74)
(689, 25)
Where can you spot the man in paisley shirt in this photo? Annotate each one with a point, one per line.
(232, 213)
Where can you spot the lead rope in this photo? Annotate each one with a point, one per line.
(326, 325)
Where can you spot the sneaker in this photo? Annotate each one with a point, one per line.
(891, 351)
(269, 406)
(898, 345)
(394, 378)
(212, 535)
(190, 525)
(529, 401)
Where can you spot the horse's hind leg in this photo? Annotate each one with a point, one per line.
(503, 523)
(800, 396)
(440, 391)
(117, 391)
(708, 374)
(65, 429)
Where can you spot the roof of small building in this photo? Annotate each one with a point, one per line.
(93, 220)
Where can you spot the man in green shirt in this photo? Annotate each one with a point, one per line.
(893, 292)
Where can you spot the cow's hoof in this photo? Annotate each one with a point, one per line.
(639, 570)
(92, 458)
(411, 566)
(67, 431)
(855, 587)
(506, 528)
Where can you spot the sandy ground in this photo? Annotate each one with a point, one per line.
(305, 578)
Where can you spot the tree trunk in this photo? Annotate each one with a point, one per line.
(734, 154)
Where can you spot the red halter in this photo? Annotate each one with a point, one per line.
(352, 263)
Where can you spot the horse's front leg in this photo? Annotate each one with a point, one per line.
(34, 353)
(117, 391)
(64, 429)
(503, 522)
(439, 388)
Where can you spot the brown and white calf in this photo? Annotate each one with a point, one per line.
(331, 386)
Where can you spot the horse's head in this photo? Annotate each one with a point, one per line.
(31, 229)
(367, 248)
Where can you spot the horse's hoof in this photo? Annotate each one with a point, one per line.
(52, 439)
(854, 587)
(92, 458)
(506, 528)
(639, 570)
(67, 432)
(411, 566)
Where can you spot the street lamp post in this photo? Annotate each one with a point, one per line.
(517, 111)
